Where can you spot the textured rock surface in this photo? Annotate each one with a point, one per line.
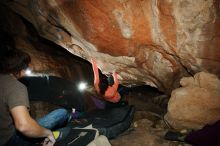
(195, 104)
(153, 42)
(46, 57)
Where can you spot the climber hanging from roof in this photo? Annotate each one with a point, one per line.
(107, 88)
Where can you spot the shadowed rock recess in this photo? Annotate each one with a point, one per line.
(151, 42)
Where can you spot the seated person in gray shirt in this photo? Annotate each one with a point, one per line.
(17, 126)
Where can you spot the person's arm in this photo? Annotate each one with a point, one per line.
(28, 126)
(96, 75)
(116, 81)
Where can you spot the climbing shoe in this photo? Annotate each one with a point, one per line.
(175, 136)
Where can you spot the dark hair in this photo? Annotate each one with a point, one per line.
(105, 82)
(103, 87)
(14, 61)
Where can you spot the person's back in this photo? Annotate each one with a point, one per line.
(107, 89)
(12, 93)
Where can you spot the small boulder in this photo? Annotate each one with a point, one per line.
(196, 103)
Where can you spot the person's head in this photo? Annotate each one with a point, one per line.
(103, 85)
(13, 61)
(105, 82)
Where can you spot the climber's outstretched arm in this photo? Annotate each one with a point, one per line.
(96, 75)
(116, 81)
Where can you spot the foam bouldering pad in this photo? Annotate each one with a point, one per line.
(72, 137)
(77, 137)
(109, 122)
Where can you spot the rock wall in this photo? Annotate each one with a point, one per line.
(47, 58)
(154, 42)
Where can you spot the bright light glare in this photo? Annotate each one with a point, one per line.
(82, 86)
(28, 72)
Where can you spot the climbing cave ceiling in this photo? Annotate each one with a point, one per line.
(153, 42)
